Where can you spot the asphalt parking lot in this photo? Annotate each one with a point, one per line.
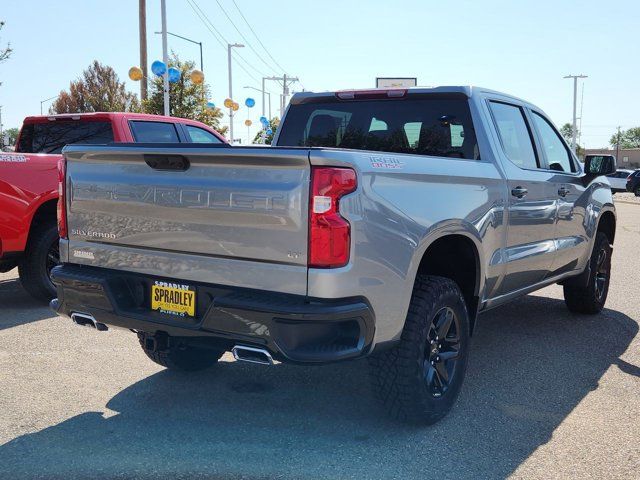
(548, 394)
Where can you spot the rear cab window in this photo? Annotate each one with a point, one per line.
(154, 132)
(422, 124)
(51, 137)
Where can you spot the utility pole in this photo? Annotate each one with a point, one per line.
(286, 81)
(618, 144)
(229, 47)
(575, 102)
(1, 135)
(165, 58)
(142, 20)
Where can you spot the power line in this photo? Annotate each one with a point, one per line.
(257, 37)
(246, 40)
(221, 39)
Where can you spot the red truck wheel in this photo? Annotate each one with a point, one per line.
(41, 256)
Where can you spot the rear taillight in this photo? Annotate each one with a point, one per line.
(62, 197)
(329, 233)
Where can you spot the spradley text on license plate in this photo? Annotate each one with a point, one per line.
(173, 298)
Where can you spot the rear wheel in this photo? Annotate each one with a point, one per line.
(176, 354)
(41, 256)
(592, 297)
(637, 192)
(419, 380)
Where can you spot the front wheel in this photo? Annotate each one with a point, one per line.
(419, 380)
(592, 297)
(637, 192)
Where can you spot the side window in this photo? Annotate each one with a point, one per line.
(154, 132)
(514, 134)
(556, 152)
(200, 135)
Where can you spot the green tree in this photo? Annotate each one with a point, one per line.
(628, 138)
(186, 99)
(98, 90)
(273, 125)
(11, 135)
(567, 133)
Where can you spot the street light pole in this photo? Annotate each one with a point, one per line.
(45, 101)
(229, 47)
(165, 58)
(574, 130)
(189, 40)
(263, 79)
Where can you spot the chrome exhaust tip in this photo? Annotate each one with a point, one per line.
(252, 355)
(86, 320)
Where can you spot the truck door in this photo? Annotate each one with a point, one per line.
(571, 225)
(532, 202)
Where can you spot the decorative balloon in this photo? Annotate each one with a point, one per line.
(228, 103)
(248, 123)
(235, 107)
(250, 102)
(135, 74)
(264, 121)
(269, 131)
(174, 75)
(211, 105)
(158, 68)
(197, 77)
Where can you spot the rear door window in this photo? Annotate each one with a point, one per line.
(200, 135)
(51, 137)
(154, 132)
(514, 134)
(432, 125)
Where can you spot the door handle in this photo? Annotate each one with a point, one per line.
(563, 191)
(519, 191)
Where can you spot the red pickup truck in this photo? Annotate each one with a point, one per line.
(29, 180)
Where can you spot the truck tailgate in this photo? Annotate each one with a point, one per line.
(236, 216)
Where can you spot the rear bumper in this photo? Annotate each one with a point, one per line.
(292, 328)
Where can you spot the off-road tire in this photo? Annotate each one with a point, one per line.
(34, 269)
(589, 299)
(398, 375)
(181, 356)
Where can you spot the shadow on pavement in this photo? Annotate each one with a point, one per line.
(17, 307)
(532, 362)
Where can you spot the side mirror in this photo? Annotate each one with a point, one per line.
(597, 165)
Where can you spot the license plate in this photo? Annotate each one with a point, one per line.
(173, 298)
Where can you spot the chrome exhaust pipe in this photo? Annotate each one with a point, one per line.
(252, 355)
(86, 320)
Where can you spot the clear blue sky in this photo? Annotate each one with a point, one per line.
(521, 47)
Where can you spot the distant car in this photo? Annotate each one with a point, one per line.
(618, 180)
(633, 183)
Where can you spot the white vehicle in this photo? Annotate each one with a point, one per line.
(618, 180)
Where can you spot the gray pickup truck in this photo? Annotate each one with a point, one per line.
(380, 224)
